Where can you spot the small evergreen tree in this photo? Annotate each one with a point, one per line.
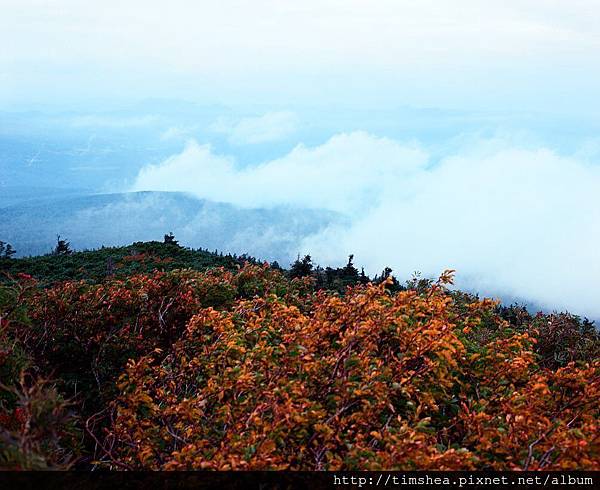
(386, 273)
(301, 267)
(6, 250)
(63, 247)
(364, 279)
(350, 273)
(170, 239)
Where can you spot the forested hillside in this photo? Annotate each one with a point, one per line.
(154, 356)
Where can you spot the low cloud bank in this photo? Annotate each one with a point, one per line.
(347, 174)
(514, 221)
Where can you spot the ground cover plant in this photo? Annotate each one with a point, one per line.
(161, 357)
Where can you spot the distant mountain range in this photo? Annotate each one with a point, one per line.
(90, 221)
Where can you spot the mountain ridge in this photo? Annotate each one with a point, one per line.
(93, 220)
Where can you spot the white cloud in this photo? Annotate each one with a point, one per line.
(513, 220)
(345, 174)
(272, 126)
(196, 170)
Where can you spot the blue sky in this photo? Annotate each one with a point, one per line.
(462, 134)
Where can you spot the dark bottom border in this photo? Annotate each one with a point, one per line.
(296, 480)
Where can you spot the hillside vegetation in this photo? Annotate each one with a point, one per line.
(154, 356)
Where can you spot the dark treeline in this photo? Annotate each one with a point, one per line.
(63, 263)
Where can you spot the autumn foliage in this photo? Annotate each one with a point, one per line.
(250, 369)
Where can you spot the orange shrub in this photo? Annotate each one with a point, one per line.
(250, 370)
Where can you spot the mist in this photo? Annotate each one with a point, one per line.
(515, 219)
(459, 135)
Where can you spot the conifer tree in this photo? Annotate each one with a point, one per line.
(63, 247)
(6, 250)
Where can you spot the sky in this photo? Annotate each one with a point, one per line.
(452, 134)
(462, 54)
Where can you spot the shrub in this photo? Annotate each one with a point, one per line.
(246, 368)
(39, 431)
